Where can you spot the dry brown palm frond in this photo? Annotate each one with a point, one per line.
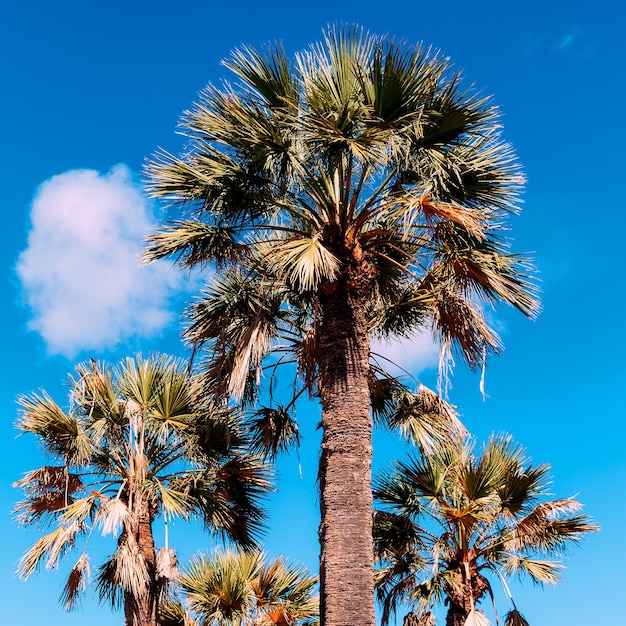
(76, 582)
(415, 213)
(308, 357)
(419, 619)
(129, 567)
(515, 618)
(49, 489)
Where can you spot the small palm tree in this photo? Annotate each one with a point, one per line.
(456, 520)
(357, 190)
(244, 589)
(133, 445)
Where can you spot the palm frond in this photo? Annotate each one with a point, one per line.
(112, 515)
(167, 566)
(193, 243)
(273, 430)
(172, 613)
(76, 582)
(61, 432)
(270, 75)
(419, 619)
(247, 588)
(425, 419)
(128, 569)
(549, 527)
(217, 588)
(302, 262)
(476, 618)
(540, 571)
(515, 618)
(48, 491)
(50, 547)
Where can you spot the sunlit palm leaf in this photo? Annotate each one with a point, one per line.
(247, 588)
(544, 572)
(425, 419)
(301, 262)
(476, 618)
(61, 432)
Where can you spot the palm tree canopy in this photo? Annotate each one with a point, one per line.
(133, 444)
(361, 164)
(246, 589)
(458, 514)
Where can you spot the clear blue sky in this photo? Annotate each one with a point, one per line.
(98, 86)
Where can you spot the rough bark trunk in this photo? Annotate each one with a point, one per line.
(141, 610)
(456, 615)
(346, 564)
(460, 605)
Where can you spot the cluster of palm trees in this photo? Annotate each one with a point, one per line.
(357, 190)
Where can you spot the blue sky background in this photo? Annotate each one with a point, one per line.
(96, 87)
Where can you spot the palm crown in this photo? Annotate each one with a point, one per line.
(457, 519)
(243, 589)
(363, 162)
(133, 445)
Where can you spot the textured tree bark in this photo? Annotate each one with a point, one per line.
(460, 604)
(456, 615)
(142, 610)
(346, 563)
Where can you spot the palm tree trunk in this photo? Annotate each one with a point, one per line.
(346, 564)
(141, 610)
(456, 615)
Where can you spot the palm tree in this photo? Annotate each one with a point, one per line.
(456, 520)
(357, 190)
(133, 445)
(244, 589)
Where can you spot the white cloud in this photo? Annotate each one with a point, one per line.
(80, 272)
(413, 354)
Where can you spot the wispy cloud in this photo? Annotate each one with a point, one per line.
(414, 354)
(80, 272)
(570, 42)
(566, 42)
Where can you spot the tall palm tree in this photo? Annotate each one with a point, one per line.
(358, 189)
(133, 445)
(457, 520)
(244, 589)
